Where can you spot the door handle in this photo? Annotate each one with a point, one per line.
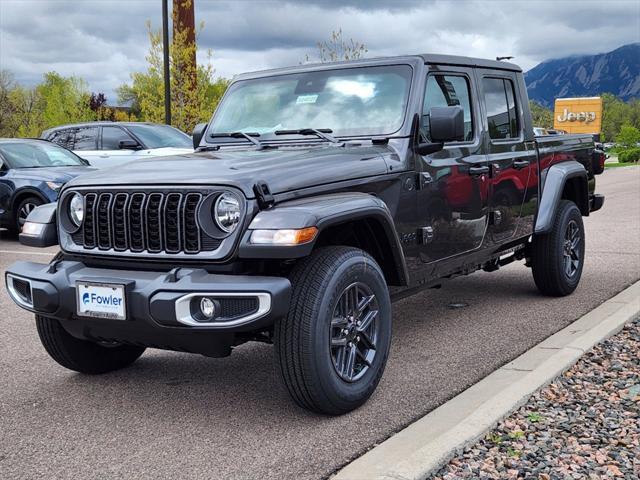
(478, 170)
(519, 164)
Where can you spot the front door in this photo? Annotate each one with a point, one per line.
(453, 183)
(511, 158)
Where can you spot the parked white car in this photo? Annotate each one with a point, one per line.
(107, 144)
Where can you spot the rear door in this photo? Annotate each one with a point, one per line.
(84, 141)
(511, 158)
(453, 183)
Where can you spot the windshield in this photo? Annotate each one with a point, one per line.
(38, 154)
(347, 102)
(159, 136)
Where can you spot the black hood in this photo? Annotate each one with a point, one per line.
(284, 169)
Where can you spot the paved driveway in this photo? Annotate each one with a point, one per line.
(175, 415)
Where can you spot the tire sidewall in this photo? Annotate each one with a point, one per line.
(356, 268)
(16, 221)
(568, 213)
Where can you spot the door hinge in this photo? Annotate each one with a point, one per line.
(263, 195)
(424, 179)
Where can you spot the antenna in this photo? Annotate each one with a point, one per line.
(499, 59)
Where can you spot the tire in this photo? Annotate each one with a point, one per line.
(82, 355)
(555, 273)
(22, 211)
(316, 341)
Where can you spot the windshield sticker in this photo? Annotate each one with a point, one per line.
(307, 99)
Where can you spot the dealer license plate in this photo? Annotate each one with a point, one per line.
(101, 300)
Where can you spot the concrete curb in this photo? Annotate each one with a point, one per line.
(424, 446)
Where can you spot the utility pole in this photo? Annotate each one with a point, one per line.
(184, 28)
(165, 50)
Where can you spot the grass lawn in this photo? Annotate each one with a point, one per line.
(617, 164)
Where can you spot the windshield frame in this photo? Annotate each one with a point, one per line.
(20, 141)
(414, 63)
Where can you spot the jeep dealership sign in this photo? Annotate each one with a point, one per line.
(578, 115)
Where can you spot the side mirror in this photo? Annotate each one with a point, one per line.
(446, 124)
(198, 132)
(128, 145)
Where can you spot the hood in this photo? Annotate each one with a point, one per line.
(284, 169)
(52, 174)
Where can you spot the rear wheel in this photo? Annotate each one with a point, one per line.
(82, 355)
(558, 256)
(333, 345)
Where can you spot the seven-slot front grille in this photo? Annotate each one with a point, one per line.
(144, 221)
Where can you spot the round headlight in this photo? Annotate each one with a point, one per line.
(227, 212)
(76, 209)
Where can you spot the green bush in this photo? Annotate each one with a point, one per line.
(629, 155)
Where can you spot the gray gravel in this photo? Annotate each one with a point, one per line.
(586, 424)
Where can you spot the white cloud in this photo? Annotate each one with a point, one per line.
(104, 40)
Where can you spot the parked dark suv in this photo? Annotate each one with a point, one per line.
(32, 172)
(317, 195)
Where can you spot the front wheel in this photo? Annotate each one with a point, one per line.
(82, 355)
(333, 345)
(558, 256)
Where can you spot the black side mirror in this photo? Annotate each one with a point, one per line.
(128, 145)
(446, 124)
(198, 132)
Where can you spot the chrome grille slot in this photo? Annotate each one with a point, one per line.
(119, 216)
(145, 220)
(136, 225)
(191, 230)
(103, 220)
(89, 229)
(153, 220)
(173, 222)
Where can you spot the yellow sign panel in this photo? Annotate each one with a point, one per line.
(578, 115)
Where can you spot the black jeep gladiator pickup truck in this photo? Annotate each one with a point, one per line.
(317, 195)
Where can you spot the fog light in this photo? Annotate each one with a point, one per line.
(208, 308)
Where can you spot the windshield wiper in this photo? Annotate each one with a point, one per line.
(249, 136)
(318, 132)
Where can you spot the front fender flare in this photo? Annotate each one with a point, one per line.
(322, 212)
(553, 185)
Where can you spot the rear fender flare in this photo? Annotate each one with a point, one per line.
(554, 182)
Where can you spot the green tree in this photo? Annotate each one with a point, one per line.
(337, 48)
(188, 105)
(63, 100)
(542, 116)
(629, 136)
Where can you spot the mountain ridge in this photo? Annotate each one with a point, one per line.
(616, 72)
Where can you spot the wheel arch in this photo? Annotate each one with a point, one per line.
(352, 219)
(23, 193)
(563, 181)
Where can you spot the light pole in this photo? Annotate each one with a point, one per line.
(165, 51)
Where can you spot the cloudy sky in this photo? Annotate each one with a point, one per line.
(104, 41)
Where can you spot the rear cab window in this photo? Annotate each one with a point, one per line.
(501, 108)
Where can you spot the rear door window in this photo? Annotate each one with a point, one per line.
(62, 138)
(499, 99)
(447, 91)
(86, 138)
(111, 137)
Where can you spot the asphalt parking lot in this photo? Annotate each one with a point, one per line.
(174, 415)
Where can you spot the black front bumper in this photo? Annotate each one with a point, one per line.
(153, 320)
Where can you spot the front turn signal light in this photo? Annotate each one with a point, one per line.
(284, 237)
